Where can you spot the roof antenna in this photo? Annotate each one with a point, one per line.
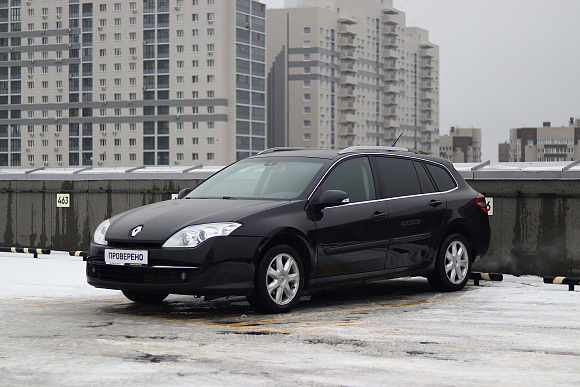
(397, 139)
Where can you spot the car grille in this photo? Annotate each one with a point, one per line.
(140, 275)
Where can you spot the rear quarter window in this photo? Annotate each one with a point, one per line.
(441, 177)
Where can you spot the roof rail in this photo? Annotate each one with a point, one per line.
(281, 149)
(374, 148)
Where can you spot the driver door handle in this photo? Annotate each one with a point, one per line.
(435, 203)
(379, 215)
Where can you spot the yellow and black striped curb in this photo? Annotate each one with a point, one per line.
(476, 277)
(79, 253)
(25, 250)
(571, 282)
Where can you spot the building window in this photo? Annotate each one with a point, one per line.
(210, 156)
(306, 30)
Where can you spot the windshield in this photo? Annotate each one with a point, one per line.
(262, 178)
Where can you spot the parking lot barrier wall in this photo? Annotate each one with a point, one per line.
(534, 208)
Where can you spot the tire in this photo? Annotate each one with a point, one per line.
(144, 297)
(453, 264)
(278, 282)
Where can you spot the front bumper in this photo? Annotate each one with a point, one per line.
(219, 266)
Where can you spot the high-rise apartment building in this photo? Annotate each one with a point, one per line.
(461, 145)
(129, 83)
(546, 143)
(350, 72)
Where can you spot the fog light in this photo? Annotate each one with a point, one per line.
(183, 276)
(91, 270)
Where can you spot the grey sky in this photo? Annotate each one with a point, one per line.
(503, 63)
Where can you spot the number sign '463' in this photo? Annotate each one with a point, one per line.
(63, 200)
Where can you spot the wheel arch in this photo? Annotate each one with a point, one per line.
(465, 232)
(294, 240)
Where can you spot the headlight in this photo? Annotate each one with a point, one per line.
(99, 237)
(192, 236)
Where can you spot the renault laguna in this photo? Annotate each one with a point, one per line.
(286, 220)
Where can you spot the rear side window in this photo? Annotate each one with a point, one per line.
(442, 178)
(398, 177)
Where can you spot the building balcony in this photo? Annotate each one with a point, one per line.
(346, 131)
(348, 80)
(347, 67)
(390, 42)
(390, 64)
(346, 42)
(391, 88)
(390, 18)
(427, 51)
(345, 142)
(391, 30)
(346, 118)
(390, 112)
(426, 95)
(390, 100)
(346, 105)
(390, 76)
(426, 63)
(346, 93)
(390, 124)
(426, 84)
(347, 54)
(426, 117)
(428, 105)
(391, 54)
(426, 74)
(346, 26)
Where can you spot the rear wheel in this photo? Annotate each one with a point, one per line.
(145, 297)
(453, 264)
(279, 281)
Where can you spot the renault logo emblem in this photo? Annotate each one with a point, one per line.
(136, 231)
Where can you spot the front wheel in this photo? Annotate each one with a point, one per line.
(144, 297)
(278, 282)
(453, 265)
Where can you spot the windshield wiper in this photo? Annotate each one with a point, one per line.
(229, 198)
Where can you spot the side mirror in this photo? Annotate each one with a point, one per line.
(184, 192)
(332, 197)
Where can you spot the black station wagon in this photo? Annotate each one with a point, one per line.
(286, 220)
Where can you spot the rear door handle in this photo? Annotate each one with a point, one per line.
(435, 203)
(379, 215)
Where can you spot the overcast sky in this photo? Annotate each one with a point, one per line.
(503, 63)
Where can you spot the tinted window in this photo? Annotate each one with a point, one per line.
(354, 177)
(426, 183)
(267, 178)
(398, 177)
(441, 176)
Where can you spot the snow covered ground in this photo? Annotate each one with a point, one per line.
(57, 331)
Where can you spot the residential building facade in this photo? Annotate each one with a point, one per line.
(461, 145)
(546, 143)
(350, 72)
(153, 82)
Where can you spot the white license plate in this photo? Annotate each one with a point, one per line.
(126, 257)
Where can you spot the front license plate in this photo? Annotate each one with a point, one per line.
(126, 257)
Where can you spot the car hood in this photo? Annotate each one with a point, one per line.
(161, 220)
